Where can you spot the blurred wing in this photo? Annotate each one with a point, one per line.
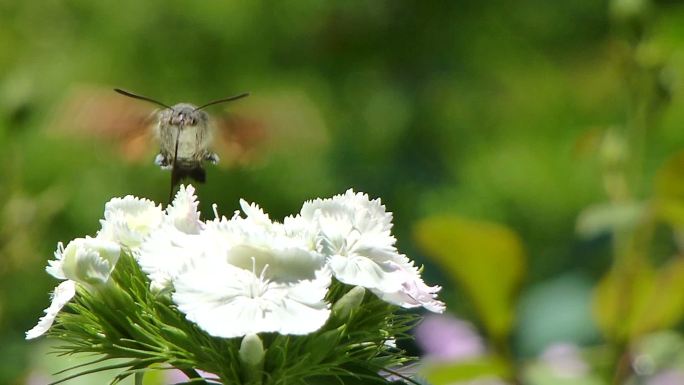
(268, 126)
(238, 139)
(122, 123)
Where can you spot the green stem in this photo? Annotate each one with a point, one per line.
(193, 375)
(502, 348)
(623, 368)
(253, 374)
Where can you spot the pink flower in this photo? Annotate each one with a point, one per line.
(447, 338)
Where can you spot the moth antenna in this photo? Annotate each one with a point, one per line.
(229, 99)
(134, 96)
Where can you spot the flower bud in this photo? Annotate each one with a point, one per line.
(251, 350)
(350, 301)
(90, 260)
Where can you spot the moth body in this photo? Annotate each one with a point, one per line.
(190, 129)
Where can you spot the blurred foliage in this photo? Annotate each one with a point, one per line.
(493, 127)
(450, 373)
(482, 251)
(628, 304)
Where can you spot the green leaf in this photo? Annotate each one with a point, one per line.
(668, 295)
(486, 259)
(324, 344)
(620, 295)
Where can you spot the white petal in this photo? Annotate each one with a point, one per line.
(363, 271)
(227, 301)
(183, 213)
(129, 220)
(54, 267)
(166, 252)
(368, 215)
(130, 205)
(254, 242)
(254, 212)
(291, 264)
(62, 294)
(311, 291)
(305, 232)
(413, 291)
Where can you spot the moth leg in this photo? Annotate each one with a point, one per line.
(212, 158)
(162, 161)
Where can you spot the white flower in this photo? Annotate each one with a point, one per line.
(228, 301)
(174, 243)
(129, 220)
(354, 233)
(215, 281)
(247, 274)
(60, 297)
(88, 261)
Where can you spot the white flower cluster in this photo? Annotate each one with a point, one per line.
(247, 274)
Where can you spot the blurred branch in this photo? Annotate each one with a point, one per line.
(624, 153)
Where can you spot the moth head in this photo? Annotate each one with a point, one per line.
(183, 114)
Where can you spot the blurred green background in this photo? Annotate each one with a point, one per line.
(487, 127)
